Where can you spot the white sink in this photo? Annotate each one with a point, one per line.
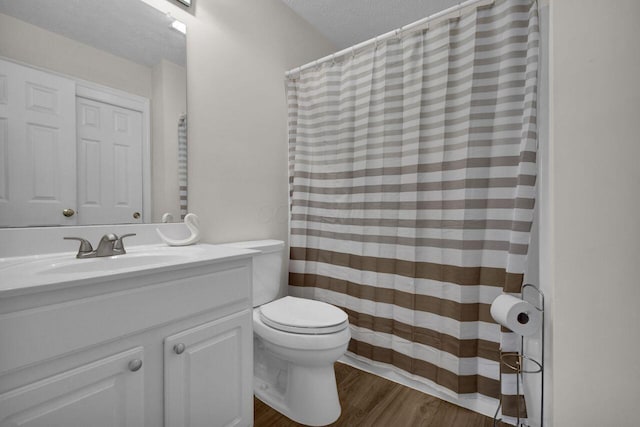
(107, 264)
(32, 273)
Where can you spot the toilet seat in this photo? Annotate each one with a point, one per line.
(303, 316)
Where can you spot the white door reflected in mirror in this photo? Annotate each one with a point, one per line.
(109, 163)
(37, 147)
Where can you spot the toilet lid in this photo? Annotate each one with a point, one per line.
(303, 316)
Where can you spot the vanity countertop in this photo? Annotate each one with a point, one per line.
(37, 273)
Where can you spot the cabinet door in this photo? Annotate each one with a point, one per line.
(209, 373)
(100, 394)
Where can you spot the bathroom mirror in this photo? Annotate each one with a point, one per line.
(92, 113)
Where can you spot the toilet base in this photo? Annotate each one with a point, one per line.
(293, 373)
(310, 396)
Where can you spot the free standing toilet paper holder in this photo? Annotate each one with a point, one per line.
(516, 361)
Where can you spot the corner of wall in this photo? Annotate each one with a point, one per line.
(237, 55)
(540, 261)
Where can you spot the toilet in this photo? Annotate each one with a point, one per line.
(295, 344)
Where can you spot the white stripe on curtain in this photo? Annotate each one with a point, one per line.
(412, 170)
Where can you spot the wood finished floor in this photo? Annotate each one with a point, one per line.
(369, 400)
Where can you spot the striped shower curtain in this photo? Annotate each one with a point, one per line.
(182, 165)
(412, 174)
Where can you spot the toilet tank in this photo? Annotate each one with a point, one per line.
(267, 268)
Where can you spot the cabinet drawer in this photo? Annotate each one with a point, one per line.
(53, 330)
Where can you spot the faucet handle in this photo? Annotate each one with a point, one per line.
(85, 246)
(119, 245)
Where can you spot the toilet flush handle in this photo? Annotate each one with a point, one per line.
(179, 348)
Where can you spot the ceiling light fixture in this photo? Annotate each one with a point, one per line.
(179, 26)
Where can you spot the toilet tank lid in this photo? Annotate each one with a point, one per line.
(265, 246)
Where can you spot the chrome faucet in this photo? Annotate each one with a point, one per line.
(109, 245)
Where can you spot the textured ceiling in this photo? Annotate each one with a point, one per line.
(130, 29)
(348, 22)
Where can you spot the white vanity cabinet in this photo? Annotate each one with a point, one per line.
(170, 347)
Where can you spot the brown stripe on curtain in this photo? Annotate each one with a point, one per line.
(469, 312)
(466, 276)
(479, 244)
(461, 384)
(504, 161)
(510, 404)
(452, 345)
(518, 203)
(421, 186)
(451, 224)
(392, 146)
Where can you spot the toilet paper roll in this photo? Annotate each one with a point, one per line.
(516, 314)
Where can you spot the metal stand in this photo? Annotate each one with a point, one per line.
(516, 361)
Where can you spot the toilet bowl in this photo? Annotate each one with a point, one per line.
(296, 342)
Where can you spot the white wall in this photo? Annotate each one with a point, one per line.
(33, 45)
(168, 103)
(237, 53)
(595, 203)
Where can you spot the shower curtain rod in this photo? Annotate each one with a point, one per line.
(415, 26)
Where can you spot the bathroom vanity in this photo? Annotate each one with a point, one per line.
(159, 336)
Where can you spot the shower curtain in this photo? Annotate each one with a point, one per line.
(412, 187)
